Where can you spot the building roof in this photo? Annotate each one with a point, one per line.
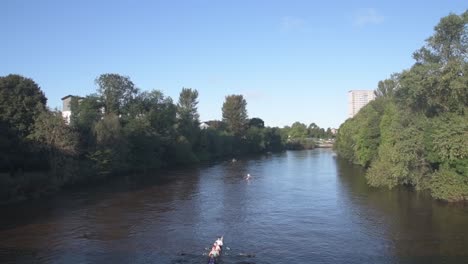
(360, 91)
(65, 97)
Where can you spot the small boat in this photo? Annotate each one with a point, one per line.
(215, 259)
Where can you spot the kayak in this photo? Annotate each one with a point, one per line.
(214, 260)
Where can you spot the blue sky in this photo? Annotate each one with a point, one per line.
(292, 60)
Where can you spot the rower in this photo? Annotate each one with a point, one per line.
(213, 253)
(219, 241)
(217, 247)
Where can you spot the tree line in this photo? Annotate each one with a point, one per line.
(117, 130)
(416, 131)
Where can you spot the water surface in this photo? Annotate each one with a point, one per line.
(298, 207)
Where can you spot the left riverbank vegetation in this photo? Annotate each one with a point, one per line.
(416, 131)
(117, 130)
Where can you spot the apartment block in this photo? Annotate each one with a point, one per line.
(358, 99)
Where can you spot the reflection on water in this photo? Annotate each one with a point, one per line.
(298, 207)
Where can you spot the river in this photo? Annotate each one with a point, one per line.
(298, 207)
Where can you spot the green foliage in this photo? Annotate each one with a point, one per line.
(187, 115)
(21, 101)
(298, 131)
(314, 131)
(438, 82)
(255, 138)
(448, 43)
(52, 134)
(217, 124)
(111, 151)
(116, 92)
(447, 142)
(273, 140)
(145, 146)
(401, 154)
(387, 87)
(449, 185)
(345, 140)
(434, 89)
(416, 132)
(180, 153)
(367, 138)
(117, 131)
(85, 112)
(235, 114)
(256, 122)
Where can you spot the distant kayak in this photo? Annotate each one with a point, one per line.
(214, 254)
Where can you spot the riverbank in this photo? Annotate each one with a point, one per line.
(25, 186)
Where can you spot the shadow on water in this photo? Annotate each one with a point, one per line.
(418, 228)
(88, 216)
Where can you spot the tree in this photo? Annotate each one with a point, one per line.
(158, 109)
(187, 114)
(161, 113)
(111, 146)
(55, 138)
(438, 82)
(216, 124)
(386, 87)
(273, 141)
(298, 131)
(449, 42)
(85, 113)
(51, 131)
(21, 101)
(116, 92)
(314, 131)
(235, 114)
(256, 122)
(187, 105)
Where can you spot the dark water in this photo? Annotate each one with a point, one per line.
(299, 207)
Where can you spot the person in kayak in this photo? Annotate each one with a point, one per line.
(217, 247)
(219, 241)
(214, 253)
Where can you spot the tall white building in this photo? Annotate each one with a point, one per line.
(357, 99)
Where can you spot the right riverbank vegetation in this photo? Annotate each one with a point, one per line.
(416, 132)
(121, 129)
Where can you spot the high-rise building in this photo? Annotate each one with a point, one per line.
(357, 99)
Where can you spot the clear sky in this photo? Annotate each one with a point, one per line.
(292, 60)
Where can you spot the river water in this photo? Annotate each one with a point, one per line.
(298, 207)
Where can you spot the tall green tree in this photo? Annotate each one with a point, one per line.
(438, 82)
(298, 131)
(160, 112)
(235, 114)
(449, 41)
(116, 92)
(187, 114)
(21, 101)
